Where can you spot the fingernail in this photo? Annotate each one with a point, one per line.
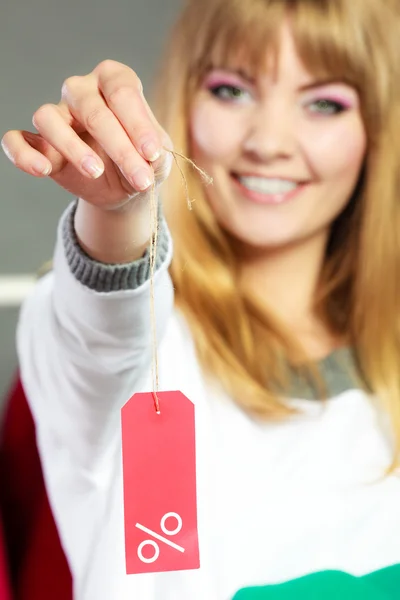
(141, 179)
(41, 168)
(92, 167)
(151, 151)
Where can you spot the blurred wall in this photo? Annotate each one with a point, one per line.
(41, 44)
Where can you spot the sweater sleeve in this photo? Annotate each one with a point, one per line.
(84, 346)
(109, 277)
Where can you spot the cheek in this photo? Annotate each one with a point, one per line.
(215, 134)
(337, 155)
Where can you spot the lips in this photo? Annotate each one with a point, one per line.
(267, 190)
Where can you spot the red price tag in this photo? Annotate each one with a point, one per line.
(159, 469)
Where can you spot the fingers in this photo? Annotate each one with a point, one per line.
(104, 111)
(90, 108)
(19, 150)
(123, 93)
(53, 124)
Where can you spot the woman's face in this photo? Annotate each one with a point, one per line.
(284, 150)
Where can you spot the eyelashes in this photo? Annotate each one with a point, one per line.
(326, 106)
(229, 92)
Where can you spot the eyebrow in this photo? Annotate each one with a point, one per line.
(243, 74)
(321, 83)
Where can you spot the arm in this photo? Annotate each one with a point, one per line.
(84, 341)
(84, 334)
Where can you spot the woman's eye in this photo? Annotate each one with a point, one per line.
(326, 107)
(230, 92)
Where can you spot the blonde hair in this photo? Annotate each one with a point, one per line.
(238, 343)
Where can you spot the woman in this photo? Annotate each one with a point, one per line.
(285, 282)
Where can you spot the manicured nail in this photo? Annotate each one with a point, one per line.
(41, 168)
(141, 179)
(92, 167)
(151, 151)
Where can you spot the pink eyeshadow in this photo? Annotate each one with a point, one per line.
(336, 98)
(217, 80)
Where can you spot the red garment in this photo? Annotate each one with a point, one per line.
(5, 593)
(39, 570)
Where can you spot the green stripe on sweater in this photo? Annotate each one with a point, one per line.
(331, 585)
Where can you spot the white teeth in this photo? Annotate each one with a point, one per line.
(268, 186)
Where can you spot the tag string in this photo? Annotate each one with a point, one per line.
(153, 254)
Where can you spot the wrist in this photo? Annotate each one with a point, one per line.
(113, 236)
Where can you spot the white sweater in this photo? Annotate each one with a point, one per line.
(274, 501)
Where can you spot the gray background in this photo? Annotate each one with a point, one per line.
(42, 43)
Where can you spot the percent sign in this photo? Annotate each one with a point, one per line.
(159, 537)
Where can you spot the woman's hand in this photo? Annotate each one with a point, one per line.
(98, 141)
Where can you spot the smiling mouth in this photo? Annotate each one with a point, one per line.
(266, 190)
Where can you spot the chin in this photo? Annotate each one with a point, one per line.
(259, 241)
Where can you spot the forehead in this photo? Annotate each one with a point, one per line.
(276, 61)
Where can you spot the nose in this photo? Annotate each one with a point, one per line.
(271, 133)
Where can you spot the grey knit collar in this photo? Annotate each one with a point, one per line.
(339, 371)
